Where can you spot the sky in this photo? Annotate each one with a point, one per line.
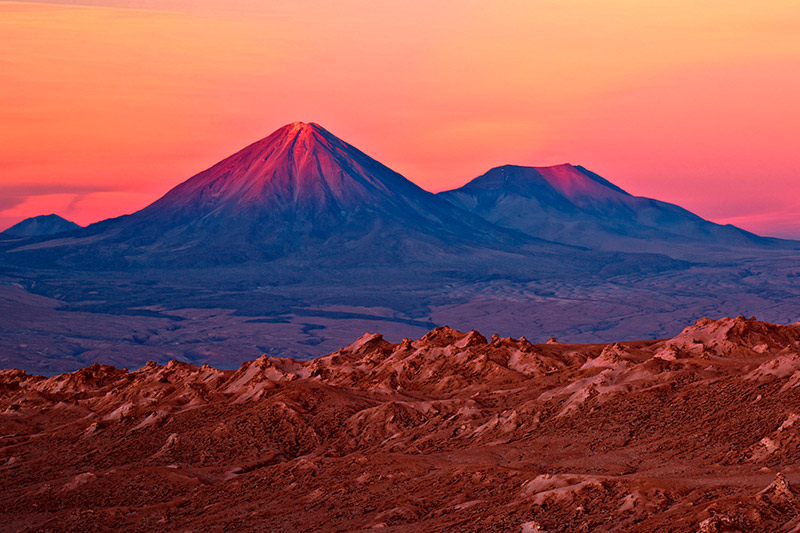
(107, 104)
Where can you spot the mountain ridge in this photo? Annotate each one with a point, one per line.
(302, 193)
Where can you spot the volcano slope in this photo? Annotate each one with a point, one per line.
(452, 431)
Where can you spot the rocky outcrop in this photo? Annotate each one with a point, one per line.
(449, 431)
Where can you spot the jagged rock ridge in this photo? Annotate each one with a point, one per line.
(452, 430)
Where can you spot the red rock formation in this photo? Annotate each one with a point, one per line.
(448, 432)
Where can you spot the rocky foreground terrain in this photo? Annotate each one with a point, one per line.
(700, 432)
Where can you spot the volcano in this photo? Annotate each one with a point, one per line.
(301, 192)
(306, 179)
(570, 204)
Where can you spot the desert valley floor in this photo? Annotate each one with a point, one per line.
(57, 321)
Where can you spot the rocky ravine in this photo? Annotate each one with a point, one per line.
(449, 432)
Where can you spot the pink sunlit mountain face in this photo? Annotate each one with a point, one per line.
(299, 170)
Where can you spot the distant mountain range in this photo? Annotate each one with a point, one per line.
(304, 194)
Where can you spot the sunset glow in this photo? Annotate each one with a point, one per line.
(105, 107)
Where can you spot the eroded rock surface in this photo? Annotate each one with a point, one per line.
(448, 432)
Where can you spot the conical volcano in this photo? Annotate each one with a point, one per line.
(303, 172)
(299, 193)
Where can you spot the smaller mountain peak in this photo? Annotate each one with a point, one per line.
(41, 225)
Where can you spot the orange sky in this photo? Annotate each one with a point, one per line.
(106, 105)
